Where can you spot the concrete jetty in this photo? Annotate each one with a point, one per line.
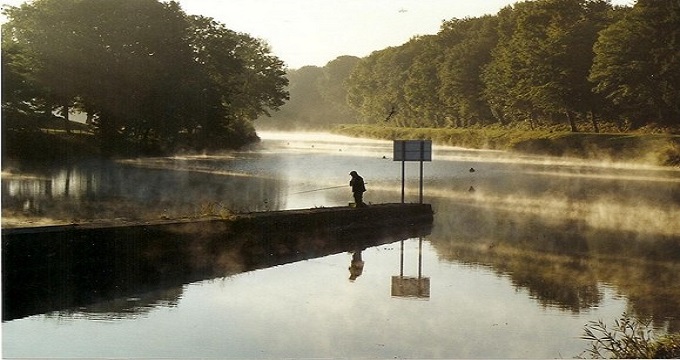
(325, 218)
(57, 268)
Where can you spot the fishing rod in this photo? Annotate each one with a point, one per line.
(321, 189)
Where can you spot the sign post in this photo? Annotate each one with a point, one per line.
(412, 150)
(411, 287)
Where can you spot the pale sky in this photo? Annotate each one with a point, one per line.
(314, 32)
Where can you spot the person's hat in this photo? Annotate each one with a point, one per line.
(353, 173)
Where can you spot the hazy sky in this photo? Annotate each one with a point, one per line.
(314, 32)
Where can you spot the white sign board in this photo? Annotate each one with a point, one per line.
(412, 150)
(414, 287)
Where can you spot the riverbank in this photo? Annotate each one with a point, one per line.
(54, 144)
(655, 149)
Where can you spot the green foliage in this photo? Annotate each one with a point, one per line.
(637, 65)
(146, 73)
(531, 63)
(318, 97)
(629, 339)
(468, 44)
(539, 70)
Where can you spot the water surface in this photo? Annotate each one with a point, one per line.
(524, 251)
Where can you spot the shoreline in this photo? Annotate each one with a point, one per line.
(649, 149)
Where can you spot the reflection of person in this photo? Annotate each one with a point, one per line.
(358, 188)
(356, 267)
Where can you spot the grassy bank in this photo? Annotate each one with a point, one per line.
(657, 149)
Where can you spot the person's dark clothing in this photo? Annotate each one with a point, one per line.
(358, 188)
(356, 267)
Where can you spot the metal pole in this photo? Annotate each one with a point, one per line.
(401, 262)
(403, 174)
(403, 170)
(422, 155)
(420, 258)
(421, 181)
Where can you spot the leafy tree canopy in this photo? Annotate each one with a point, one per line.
(570, 64)
(637, 62)
(146, 73)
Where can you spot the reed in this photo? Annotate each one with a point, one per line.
(629, 339)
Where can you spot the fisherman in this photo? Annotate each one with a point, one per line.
(358, 188)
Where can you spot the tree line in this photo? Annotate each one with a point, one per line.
(581, 65)
(146, 74)
(318, 97)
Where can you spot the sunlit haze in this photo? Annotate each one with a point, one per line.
(314, 32)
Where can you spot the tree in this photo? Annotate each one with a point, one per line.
(240, 81)
(376, 87)
(541, 64)
(467, 46)
(318, 97)
(333, 88)
(421, 103)
(305, 108)
(637, 63)
(19, 89)
(30, 88)
(147, 73)
(116, 57)
(504, 75)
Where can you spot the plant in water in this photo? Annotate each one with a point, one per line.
(629, 339)
(214, 209)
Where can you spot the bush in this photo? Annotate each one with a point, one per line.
(629, 339)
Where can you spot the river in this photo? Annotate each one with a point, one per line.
(523, 253)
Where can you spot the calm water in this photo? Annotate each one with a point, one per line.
(523, 253)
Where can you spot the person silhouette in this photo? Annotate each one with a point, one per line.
(356, 266)
(358, 188)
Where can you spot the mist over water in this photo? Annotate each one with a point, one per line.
(524, 250)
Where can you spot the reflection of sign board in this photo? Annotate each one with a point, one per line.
(412, 150)
(411, 287)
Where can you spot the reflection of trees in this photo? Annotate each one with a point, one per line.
(148, 190)
(652, 287)
(125, 307)
(553, 280)
(561, 262)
